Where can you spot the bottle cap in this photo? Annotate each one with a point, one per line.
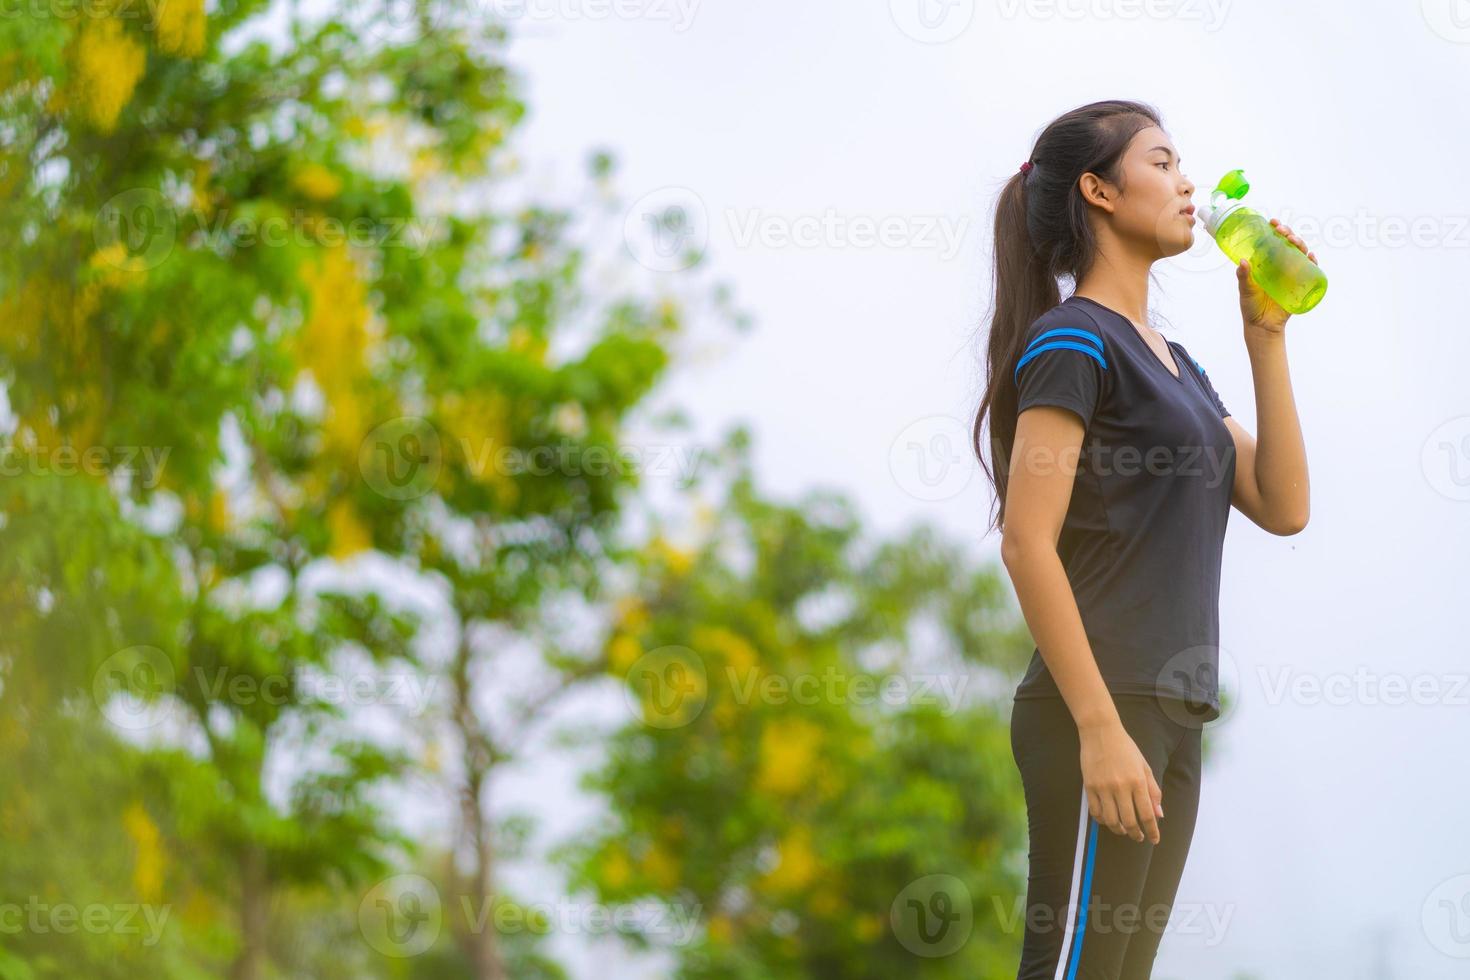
(1233, 185)
(1231, 188)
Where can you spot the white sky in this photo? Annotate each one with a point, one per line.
(1331, 831)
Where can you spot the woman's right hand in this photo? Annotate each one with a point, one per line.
(1122, 794)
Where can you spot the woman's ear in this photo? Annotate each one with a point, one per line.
(1096, 191)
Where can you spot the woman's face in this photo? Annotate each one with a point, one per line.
(1153, 207)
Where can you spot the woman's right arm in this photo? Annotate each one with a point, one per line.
(1122, 793)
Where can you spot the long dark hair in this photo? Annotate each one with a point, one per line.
(1041, 236)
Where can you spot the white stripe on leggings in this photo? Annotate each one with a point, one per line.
(1074, 904)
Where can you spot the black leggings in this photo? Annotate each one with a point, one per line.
(1097, 902)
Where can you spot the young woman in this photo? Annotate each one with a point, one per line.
(1116, 464)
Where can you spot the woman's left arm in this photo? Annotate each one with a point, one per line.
(1271, 485)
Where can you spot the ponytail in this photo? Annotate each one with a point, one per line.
(1042, 235)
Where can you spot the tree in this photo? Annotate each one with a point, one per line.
(798, 778)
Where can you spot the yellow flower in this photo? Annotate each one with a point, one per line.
(788, 753)
(106, 66)
(679, 560)
(630, 613)
(867, 928)
(349, 534)
(661, 867)
(219, 512)
(721, 929)
(180, 26)
(738, 652)
(317, 182)
(797, 864)
(616, 870)
(623, 652)
(479, 425)
(148, 857)
(524, 341)
(332, 345)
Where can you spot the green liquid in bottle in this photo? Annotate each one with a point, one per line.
(1277, 266)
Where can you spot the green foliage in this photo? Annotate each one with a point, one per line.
(772, 785)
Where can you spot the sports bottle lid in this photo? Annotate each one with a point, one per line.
(1231, 188)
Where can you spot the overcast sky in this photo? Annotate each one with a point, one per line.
(1332, 829)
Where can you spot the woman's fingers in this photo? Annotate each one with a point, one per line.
(1143, 804)
(1294, 239)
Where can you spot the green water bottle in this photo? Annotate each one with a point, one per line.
(1277, 266)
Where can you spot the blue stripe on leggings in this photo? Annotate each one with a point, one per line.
(1086, 893)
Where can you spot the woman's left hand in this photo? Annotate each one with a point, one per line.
(1260, 311)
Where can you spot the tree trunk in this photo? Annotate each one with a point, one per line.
(254, 911)
(480, 938)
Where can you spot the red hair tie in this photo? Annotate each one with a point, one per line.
(1026, 167)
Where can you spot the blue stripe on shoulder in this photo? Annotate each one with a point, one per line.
(1086, 335)
(1035, 349)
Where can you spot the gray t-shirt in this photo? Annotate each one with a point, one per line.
(1145, 526)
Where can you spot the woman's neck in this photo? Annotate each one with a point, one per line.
(1118, 285)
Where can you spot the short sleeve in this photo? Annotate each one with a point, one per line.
(1062, 364)
(1209, 388)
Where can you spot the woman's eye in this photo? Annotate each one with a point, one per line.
(1165, 165)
